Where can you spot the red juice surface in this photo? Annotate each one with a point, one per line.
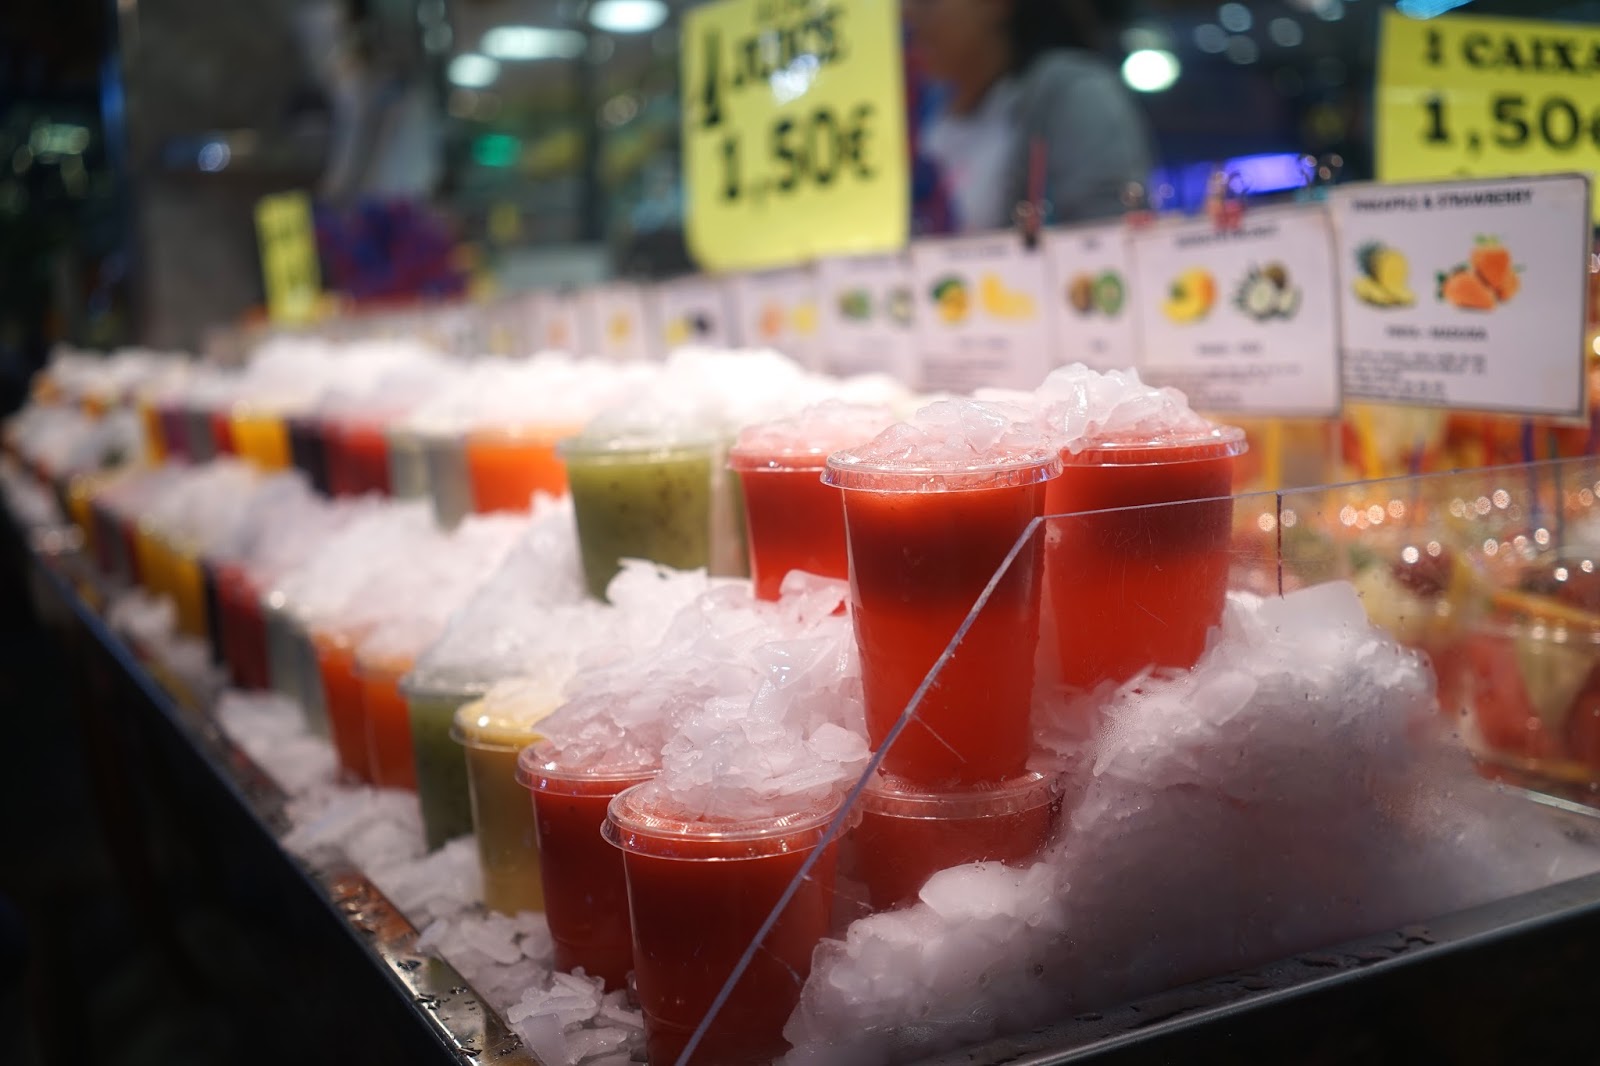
(341, 691)
(388, 724)
(794, 521)
(694, 913)
(244, 630)
(918, 563)
(506, 469)
(585, 893)
(358, 459)
(222, 432)
(900, 845)
(1141, 587)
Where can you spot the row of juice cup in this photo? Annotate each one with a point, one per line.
(959, 789)
(656, 512)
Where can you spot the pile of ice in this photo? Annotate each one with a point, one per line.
(949, 436)
(398, 613)
(623, 711)
(64, 440)
(270, 728)
(528, 617)
(1293, 791)
(799, 739)
(1077, 406)
(28, 501)
(373, 544)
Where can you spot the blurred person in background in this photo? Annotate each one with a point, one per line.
(1025, 95)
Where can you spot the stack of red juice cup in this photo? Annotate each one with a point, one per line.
(940, 516)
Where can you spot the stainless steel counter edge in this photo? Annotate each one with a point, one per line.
(463, 1019)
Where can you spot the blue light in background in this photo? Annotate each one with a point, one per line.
(1427, 9)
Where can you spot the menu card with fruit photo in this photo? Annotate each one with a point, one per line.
(1242, 318)
(1466, 294)
(981, 313)
(1089, 298)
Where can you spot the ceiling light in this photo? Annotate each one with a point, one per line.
(627, 16)
(1150, 70)
(532, 42)
(472, 71)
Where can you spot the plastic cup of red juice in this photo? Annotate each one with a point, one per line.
(1141, 587)
(907, 835)
(585, 894)
(927, 528)
(244, 630)
(699, 890)
(793, 519)
(358, 458)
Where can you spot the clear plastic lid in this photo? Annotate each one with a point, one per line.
(897, 798)
(648, 819)
(1157, 449)
(805, 441)
(506, 717)
(542, 767)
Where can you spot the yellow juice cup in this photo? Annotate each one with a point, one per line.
(262, 438)
(188, 590)
(493, 731)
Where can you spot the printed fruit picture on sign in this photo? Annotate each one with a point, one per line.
(769, 325)
(1485, 281)
(695, 324)
(619, 328)
(855, 305)
(897, 305)
(951, 300)
(1191, 296)
(1267, 293)
(1385, 276)
(1001, 302)
(1104, 294)
(803, 319)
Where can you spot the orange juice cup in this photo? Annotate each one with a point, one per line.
(924, 544)
(388, 723)
(507, 466)
(342, 697)
(1141, 587)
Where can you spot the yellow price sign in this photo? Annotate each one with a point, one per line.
(794, 131)
(1487, 97)
(289, 268)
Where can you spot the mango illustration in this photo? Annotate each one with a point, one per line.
(1001, 302)
(1191, 297)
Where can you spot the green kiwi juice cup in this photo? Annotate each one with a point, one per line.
(638, 497)
(441, 766)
